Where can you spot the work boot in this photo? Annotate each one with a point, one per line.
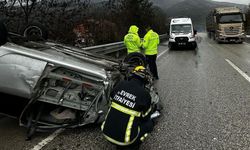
(154, 115)
(155, 78)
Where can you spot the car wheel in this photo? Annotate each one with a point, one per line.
(35, 32)
(136, 59)
(3, 34)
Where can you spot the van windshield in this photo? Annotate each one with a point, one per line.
(182, 28)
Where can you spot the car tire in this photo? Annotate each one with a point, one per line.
(135, 59)
(3, 34)
(35, 32)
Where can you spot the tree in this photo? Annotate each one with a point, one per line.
(27, 7)
(128, 12)
(6, 6)
(3, 4)
(159, 22)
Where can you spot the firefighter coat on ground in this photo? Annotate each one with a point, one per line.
(130, 108)
(132, 40)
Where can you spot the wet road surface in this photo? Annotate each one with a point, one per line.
(206, 105)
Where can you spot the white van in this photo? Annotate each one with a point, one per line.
(182, 33)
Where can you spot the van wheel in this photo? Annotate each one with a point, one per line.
(136, 59)
(35, 32)
(171, 46)
(3, 34)
(194, 45)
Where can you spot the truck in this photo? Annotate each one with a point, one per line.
(226, 24)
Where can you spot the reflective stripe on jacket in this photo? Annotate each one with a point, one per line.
(131, 104)
(132, 40)
(132, 115)
(151, 42)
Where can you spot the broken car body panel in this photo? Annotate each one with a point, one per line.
(73, 85)
(62, 86)
(19, 74)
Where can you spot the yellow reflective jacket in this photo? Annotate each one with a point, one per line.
(132, 40)
(151, 42)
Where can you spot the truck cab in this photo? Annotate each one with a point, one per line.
(226, 24)
(181, 33)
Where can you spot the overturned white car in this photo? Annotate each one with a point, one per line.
(62, 86)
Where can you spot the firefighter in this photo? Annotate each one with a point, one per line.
(128, 121)
(132, 40)
(150, 45)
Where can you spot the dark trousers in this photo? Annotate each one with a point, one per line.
(146, 127)
(151, 60)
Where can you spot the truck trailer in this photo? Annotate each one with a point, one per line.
(226, 24)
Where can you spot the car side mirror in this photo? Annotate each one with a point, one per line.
(3, 34)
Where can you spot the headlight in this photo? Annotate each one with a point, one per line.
(221, 34)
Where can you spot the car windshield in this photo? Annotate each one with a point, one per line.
(231, 18)
(181, 28)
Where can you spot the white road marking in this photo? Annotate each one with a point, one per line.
(239, 70)
(47, 140)
(162, 53)
(210, 44)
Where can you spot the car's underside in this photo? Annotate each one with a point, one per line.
(47, 85)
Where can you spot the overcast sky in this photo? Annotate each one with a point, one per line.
(236, 1)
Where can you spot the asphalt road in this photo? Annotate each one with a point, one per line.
(206, 105)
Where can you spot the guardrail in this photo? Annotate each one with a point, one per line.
(112, 49)
(116, 48)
